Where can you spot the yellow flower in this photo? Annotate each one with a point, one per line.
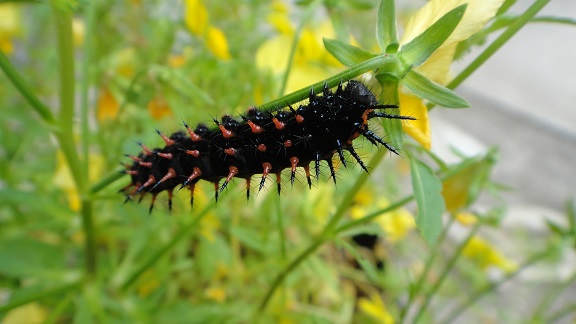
(216, 293)
(437, 67)
(9, 26)
(485, 255)
(374, 307)
(311, 62)
(466, 218)
(31, 313)
(279, 18)
(158, 108)
(395, 224)
(63, 178)
(418, 129)
(196, 16)
(107, 106)
(217, 43)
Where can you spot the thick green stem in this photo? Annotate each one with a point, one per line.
(63, 21)
(331, 82)
(90, 17)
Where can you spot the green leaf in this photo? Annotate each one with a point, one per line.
(418, 50)
(428, 192)
(345, 53)
(432, 91)
(386, 27)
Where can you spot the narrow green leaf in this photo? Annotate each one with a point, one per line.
(432, 91)
(345, 53)
(428, 192)
(418, 50)
(386, 27)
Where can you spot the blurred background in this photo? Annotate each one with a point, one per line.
(152, 64)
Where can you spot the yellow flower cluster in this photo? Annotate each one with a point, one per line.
(395, 224)
(197, 21)
(311, 62)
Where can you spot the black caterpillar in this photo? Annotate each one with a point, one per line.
(261, 143)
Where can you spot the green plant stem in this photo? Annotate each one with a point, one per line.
(451, 262)
(499, 42)
(299, 95)
(105, 181)
(26, 91)
(372, 216)
(414, 291)
(65, 46)
(90, 17)
(493, 286)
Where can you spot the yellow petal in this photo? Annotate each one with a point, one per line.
(279, 18)
(303, 75)
(217, 43)
(158, 108)
(273, 54)
(108, 107)
(418, 129)
(9, 20)
(216, 293)
(396, 224)
(437, 67)
(6, 45)
(466, 218)
(374, 306)
(477, 15)
(31, 313)
(484, 255)
(196, 16)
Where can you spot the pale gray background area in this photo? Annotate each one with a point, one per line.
(524, 101)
